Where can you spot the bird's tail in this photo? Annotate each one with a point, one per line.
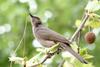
(68, 48)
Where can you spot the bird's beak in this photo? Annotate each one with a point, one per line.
(31, 15)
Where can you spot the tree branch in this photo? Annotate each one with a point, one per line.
(80, 27)
(49, 55)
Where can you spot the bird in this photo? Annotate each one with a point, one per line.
(47, 37)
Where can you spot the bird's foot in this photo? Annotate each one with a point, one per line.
(58, 50)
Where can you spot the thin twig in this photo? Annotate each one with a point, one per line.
(80, 27)
(45, 59)
(11, 64)
(49, 55)
(21, 38)
(78, 42)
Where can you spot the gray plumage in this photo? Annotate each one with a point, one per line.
(48, 37)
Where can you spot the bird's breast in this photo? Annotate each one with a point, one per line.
(39, 35)
(46, 43)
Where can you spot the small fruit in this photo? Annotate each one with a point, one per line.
(90, 37)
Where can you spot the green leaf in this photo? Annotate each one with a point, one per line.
(83, 51)
(54, 48)
(78, 22)
(94, 24)
(87, 56)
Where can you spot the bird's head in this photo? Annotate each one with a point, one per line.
(35, 20)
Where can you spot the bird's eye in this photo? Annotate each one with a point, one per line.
(39, 23)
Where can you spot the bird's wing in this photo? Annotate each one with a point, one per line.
(51, 35)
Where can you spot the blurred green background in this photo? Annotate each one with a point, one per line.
(59, 15)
